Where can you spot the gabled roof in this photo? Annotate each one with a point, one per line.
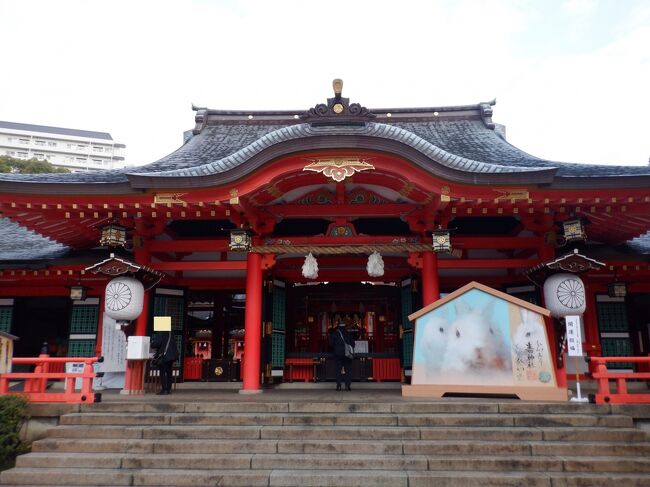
(28, 127)
(486, 289)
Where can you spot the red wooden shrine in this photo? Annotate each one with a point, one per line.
(339, 181)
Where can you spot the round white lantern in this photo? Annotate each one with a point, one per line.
(564, 295)
(123, 298)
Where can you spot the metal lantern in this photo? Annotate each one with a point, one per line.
(441, 240)
(574, 230)
(78, 293)
(617, 290)
(240, 240)
(113, 235)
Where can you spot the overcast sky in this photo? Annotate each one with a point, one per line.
(571, 77)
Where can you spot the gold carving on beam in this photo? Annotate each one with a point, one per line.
(274, 191)
(511, 195)
(406, 189)
(168, 198)
(338, 168)
(234, 196)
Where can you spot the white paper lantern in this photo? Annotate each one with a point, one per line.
(310, 267)
(123, 298)
(375, 266)
(564, 294)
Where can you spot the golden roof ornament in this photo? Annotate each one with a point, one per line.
(337, 109)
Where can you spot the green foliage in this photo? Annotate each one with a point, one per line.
(32, 166)
(13, 412)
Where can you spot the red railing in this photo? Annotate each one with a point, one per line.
(600, 372)
(192, 368)
(299, 369)
(35, 383)
(386, 369)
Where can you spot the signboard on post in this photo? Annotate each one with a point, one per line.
(573, 336)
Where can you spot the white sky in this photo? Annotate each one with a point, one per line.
(571, 77)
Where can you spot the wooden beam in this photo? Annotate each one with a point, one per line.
(199, 265)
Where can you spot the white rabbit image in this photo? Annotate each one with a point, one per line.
(434, 340)
(527, 338)
(475, 344)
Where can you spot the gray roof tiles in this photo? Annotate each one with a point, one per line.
(463, 144)
(19, 243)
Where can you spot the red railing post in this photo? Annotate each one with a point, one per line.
(603, 382)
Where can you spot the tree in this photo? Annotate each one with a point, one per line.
(31, 166)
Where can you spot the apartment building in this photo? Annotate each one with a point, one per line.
(73, 149)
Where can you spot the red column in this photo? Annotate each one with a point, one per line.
(134, 375)
(100, 327)
(430, 284)
(253, 324)
(143, 319)
(591, 340)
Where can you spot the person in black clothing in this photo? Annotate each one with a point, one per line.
(338, 338)
(165, 345)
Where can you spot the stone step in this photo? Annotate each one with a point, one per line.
(535, 434)
(322, 461)
(298, 478)
(109, 477)
(357, 419)
(446, 406)
(519, 479)
(350, 432)
(66, 476)
(391, 447)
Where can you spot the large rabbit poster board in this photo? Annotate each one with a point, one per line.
(478, 340)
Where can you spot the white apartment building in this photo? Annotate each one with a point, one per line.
(76, 150)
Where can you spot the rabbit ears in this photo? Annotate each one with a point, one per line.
(528, 316)
(463, 307)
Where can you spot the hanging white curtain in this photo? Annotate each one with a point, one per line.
(375, 265)
(310, 267)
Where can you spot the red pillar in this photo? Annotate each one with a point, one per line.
(253, 324)
(430, 284)
(134, 375)
(100, 327)
(143, 319)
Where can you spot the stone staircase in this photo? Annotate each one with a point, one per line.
(398, 443)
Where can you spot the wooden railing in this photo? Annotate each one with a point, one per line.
(600, 372)
(35, 383)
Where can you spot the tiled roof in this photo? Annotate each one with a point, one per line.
(465, 144)
(28, 127)
(641, 244)
(18, 243)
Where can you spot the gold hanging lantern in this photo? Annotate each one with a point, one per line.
(441, 241)
(574, 230)
(617, 290)
(113, 235)
(240, 240)
(78, 293)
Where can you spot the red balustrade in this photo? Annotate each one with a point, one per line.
(386, 369)
(35, 383)
(600, 372)
(299, 369)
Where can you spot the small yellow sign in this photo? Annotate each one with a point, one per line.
(162, 323)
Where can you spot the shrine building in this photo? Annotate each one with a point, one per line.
(397, 206)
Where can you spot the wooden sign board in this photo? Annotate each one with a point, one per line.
(482, 341)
